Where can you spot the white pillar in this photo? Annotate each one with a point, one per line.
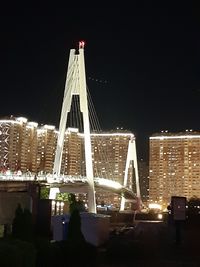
(67, 99)
(76, 85)
(86, 124)
(131, 156)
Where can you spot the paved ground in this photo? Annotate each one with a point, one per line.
(152, 244)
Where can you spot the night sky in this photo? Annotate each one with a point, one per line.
(142, 64)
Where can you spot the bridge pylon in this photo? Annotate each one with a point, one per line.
(76, 85)
(131, 157)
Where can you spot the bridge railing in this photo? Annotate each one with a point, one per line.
(23, 177)
(63, 179)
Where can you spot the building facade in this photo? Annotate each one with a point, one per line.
(174, 166)
(143, 169)
(27, 147)
(109, 152)
(18, 145)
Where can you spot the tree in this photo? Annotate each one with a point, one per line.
(44, 193)
(62, 196)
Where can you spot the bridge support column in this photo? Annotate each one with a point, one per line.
(76, 85)
(53, 192)
(131, 157)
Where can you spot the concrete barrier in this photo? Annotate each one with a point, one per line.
(95, 227)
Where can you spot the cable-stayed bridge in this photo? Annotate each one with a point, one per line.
(79, 157)
(75, 102)
(68, 183)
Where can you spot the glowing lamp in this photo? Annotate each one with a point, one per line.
(154, 206)
(81, 44)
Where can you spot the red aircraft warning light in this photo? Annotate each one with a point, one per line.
(81, 44)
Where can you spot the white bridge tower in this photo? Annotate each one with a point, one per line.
(76, 85)
(131, 156)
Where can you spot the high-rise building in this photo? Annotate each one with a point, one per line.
(143, 169)
(73, 158)
(109, 152)
(174, 166)
(18, 142)
(47, 137)
(30, 155)
(109, 155)
(9, 144)
(28, 148)
(31, 148)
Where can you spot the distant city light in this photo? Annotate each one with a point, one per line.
(154, 206)
(81, 44)
(175, 137)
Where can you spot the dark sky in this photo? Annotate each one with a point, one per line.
(142, 64)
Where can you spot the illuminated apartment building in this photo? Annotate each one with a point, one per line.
(110, 154)
(30, 148)
(18, 142)
(73, 153)
(174, 166)
(28, 133)
(46, 138)
(10, 147)
(143, 169)
(41, 148)
(25, 146)
(51, 139)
